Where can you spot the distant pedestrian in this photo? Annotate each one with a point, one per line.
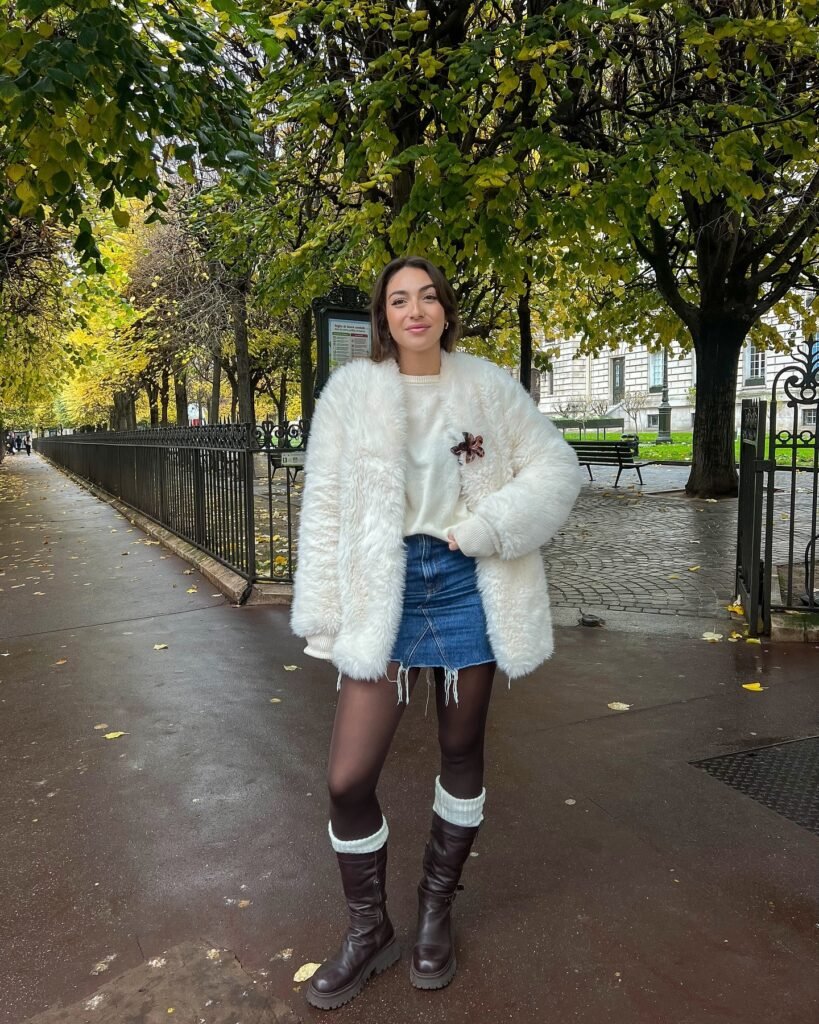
(28, 444)
(18, 441)
(431, 483)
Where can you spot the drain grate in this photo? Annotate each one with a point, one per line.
(784, 777)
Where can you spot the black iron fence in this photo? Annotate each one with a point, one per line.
(778, 523)
(230, 490)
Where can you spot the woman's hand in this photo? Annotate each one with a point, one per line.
(453, 544)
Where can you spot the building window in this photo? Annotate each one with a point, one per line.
(652, 420)
(754, 365)
(618, 379)
(550, 382)
(655, 371)
(809, 417)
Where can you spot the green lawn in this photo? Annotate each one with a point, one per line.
(680, 448)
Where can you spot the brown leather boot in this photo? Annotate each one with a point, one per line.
(369, 946)
(433, 959)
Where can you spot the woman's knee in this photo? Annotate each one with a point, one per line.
(349, 790)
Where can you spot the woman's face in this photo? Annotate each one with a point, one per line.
(415, 315)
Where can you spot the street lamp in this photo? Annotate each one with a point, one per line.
(664, 417)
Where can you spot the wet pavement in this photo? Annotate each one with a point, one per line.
(614, 880)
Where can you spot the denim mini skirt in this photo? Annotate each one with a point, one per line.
(443, 624)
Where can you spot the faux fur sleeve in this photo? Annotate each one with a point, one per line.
(529, 510)
(316, 607)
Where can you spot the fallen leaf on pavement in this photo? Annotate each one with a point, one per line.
(693, 568)
(114, 735)
(160, 647)
(62, 661)
(752, 640)
(712, 638)
(290, 668)
(275, 700)
(102, 725)
(755, 687)
(618, 705)
(305, 972)
(191, 590)
(735, 607)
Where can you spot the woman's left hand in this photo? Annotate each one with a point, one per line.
(453, 544)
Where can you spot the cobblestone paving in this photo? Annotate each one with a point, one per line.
(629, 549)
(652, 549)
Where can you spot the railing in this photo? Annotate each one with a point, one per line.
(778, 524)
(216, 487)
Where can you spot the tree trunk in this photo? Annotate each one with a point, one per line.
(152, 390)
(180, 389)
(525, 327)
(243, 384)
(216, 387)
(164, 390)
(123, 414)
(713, 471)
(306, 363)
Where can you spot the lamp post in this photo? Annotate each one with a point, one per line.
(664, 412)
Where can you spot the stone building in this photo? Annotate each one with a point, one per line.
(606, 380)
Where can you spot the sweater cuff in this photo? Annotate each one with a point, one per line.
(320, 646)
(475, 538)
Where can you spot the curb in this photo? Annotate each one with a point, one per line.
(235, 587)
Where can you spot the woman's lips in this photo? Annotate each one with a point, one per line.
(419, 329)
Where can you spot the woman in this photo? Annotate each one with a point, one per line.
(431, 482)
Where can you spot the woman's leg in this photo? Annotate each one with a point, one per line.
(461, 729)
(367, 716)
(457, 813)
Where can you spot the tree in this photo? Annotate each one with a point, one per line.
(699, 125)
(634, 403)
(100, 101)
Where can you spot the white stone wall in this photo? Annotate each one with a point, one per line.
(591, 377)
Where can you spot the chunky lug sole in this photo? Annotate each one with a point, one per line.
(432, 981)
(383, 959)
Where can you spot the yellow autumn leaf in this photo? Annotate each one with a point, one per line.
(62, 661)
(618, 705)
(712, 638)
(114, 735)
(290, 668)
(160, 647)
(244, 904)
(191, 590)
(275, 700)
(305, 972)
(752, 640)
(736, 608)
(755, 687)
(693, 568)
(102, 725)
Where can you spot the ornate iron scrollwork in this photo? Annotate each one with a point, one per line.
(750, 421)
(800, 379)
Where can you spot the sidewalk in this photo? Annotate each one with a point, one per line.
(614, 882)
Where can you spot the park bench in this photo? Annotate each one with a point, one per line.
(608, 453)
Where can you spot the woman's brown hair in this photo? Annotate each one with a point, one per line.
(383, 347)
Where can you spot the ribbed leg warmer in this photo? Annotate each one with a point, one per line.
(467, 813)
(369, 844)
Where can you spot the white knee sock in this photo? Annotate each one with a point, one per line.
(468, 813)
(369, 844)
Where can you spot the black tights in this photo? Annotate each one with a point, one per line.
(367, 716)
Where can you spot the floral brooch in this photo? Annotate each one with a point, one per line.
(471, 447)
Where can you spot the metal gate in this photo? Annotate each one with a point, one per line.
(778, 490)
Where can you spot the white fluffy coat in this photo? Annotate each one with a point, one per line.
(350, 578)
